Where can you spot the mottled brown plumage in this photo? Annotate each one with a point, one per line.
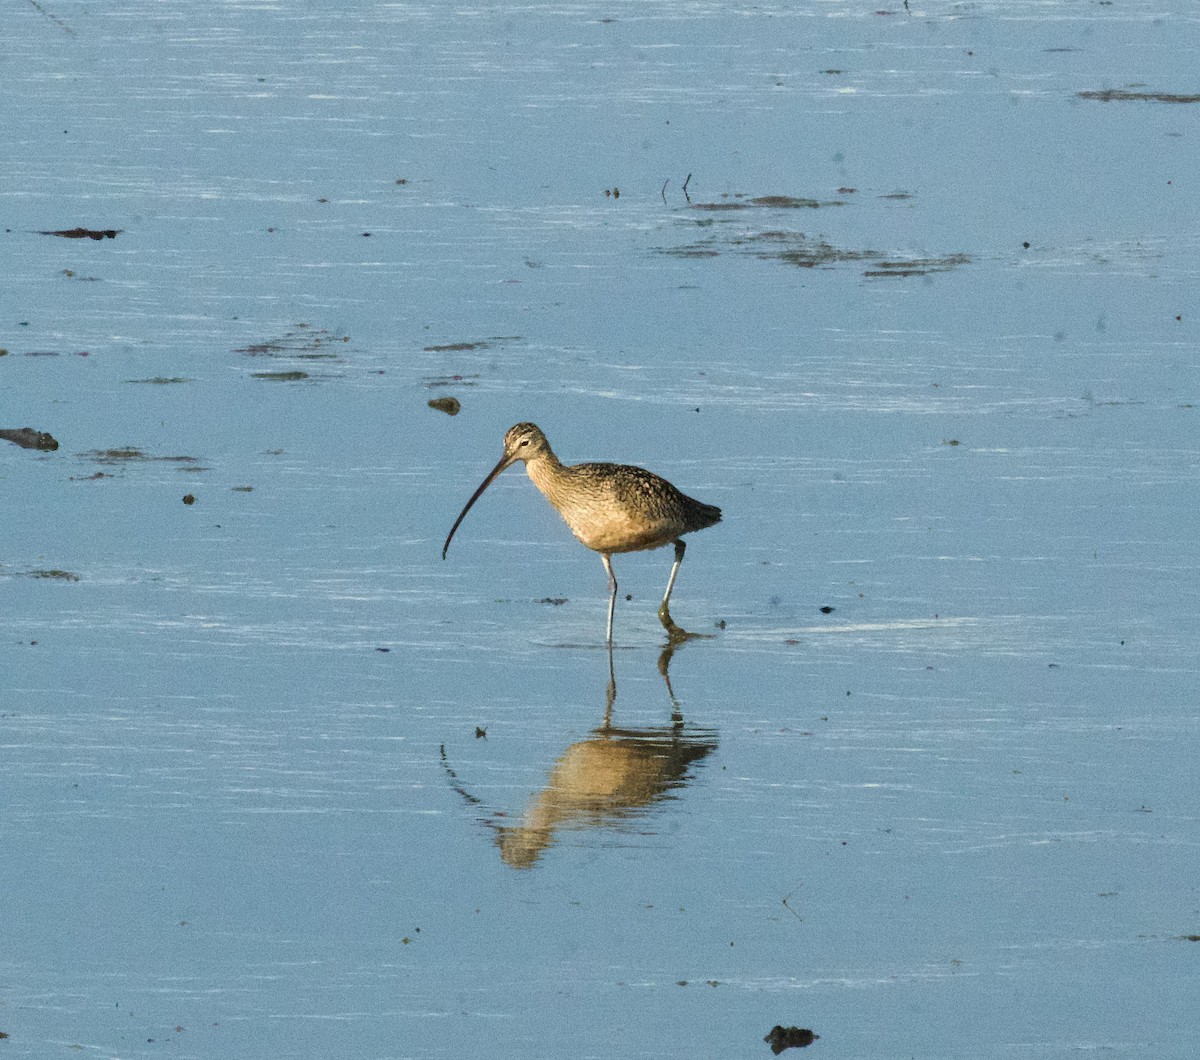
(610, 508)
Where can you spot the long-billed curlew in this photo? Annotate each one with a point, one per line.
(610, 508)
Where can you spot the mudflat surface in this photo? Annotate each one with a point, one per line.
(908, 292)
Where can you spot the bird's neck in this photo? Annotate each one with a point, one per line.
(548, 474)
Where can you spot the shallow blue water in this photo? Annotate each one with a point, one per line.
(248, 811)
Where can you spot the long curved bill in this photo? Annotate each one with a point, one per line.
(504, 462)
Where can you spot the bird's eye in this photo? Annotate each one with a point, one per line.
(524, 441)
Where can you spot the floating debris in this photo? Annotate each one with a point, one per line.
(28, 438)
(782, 1038)
(451, 406)
(85, 233)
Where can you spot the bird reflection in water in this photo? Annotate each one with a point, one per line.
(613, 776)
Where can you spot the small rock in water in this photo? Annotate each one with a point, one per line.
(782, 1038)
(449, 405)
(28, 438)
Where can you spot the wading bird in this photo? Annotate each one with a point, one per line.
(610, 508)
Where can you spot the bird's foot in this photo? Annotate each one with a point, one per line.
(677, 634)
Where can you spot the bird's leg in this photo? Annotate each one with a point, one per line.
(612, 594)
(610, 696)
(664, 610)
(680, 548)
(664, 668)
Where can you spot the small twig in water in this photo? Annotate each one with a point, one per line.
(53, 18)
(454, 782)
(664, 189)
(685, 184)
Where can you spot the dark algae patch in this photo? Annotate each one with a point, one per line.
(792, 248)
(281, 377)
(53, 574)
(133, 455)
(85, 233)
(457, 347)
(694, 250)
(790, 202)
(918, 266)
(113, 456)
(803, 251)
(454, 380)
(798, 249)
(161, 380)
(724, 231)
(474, 344)
(302, 341)
(738, 201)
(1137, 94)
